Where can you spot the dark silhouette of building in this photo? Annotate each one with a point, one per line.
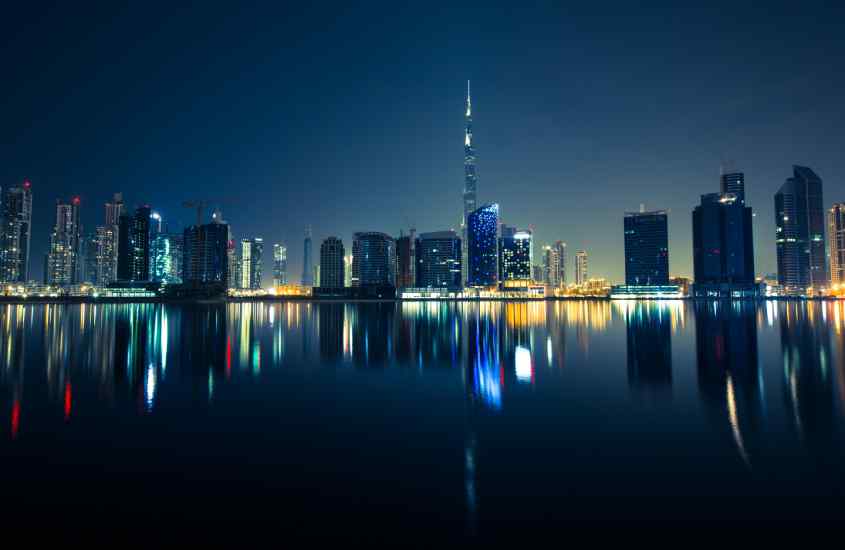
(332, 267)
(141, 244)
(405, 260)
(799, 232)
(646, 248)
(733, 183)
(439, 260)
(133, 246)
(15, 231)
(205, 254)
(373, 260)
(723, 247)
(307, 263)
(482, 230)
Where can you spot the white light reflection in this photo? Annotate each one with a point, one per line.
(524, 369)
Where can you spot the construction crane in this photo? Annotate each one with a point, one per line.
(202, 206)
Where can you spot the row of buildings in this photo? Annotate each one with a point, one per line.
(135, 249)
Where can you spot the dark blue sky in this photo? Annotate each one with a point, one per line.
(351, 118)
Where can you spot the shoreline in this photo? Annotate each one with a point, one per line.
(12, 300)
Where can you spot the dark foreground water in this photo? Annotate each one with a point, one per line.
(419, 420)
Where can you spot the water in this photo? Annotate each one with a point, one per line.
(439, 420)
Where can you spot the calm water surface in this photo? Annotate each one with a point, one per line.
(420, 419)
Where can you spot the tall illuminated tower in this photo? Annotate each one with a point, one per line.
(16, 223)
(470, 180)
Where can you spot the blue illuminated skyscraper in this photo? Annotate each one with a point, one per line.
(482, 229)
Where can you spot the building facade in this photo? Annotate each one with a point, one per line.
(133, 245)
(516, 254)
(307, 262)
(646, 248)
(280, 265)
(332, 267)
(581, 267)
(15, 231)
(205, 254)
(554, 264)
(482, 232)
(373, 260)
(438, 260)
(405, 260)
(63, 265)
(252, 252)
(836, 240)
(799, 232)
(723, 247)
(167, 253)
(733, 183)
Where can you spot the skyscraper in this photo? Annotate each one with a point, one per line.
(723, 247)
(836, 238)
(405, 264)
(107, 242)
(581, 267)
(252, 251)
(307, 262)
(114, 209)
(799, 232)
(205, 258)
(347, 276)
(166, 258)
(734, 183)
(516, 254)
(646, 248)
(438, 259)
(280, 265)
(140, 243)
(332, 268)
(470, 182)
(106, 259)
(88, 258)
(16, 220)
(373, 259)
(63, 258)
(482, 229)
(554, 264)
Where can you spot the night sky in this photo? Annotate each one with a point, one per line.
(350, 118)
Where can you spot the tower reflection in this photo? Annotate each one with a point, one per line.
(649, 345)
(729, 379)
(808, 385)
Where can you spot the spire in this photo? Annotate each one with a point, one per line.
(469, 102)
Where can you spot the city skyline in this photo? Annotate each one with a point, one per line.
(537, 152)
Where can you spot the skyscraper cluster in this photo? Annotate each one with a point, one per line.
(136, 247)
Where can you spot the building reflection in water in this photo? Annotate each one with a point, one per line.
(484, 372)
(729, 378)
(648, 327)
(807, 382)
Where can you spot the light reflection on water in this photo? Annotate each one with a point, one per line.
(734, 388)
